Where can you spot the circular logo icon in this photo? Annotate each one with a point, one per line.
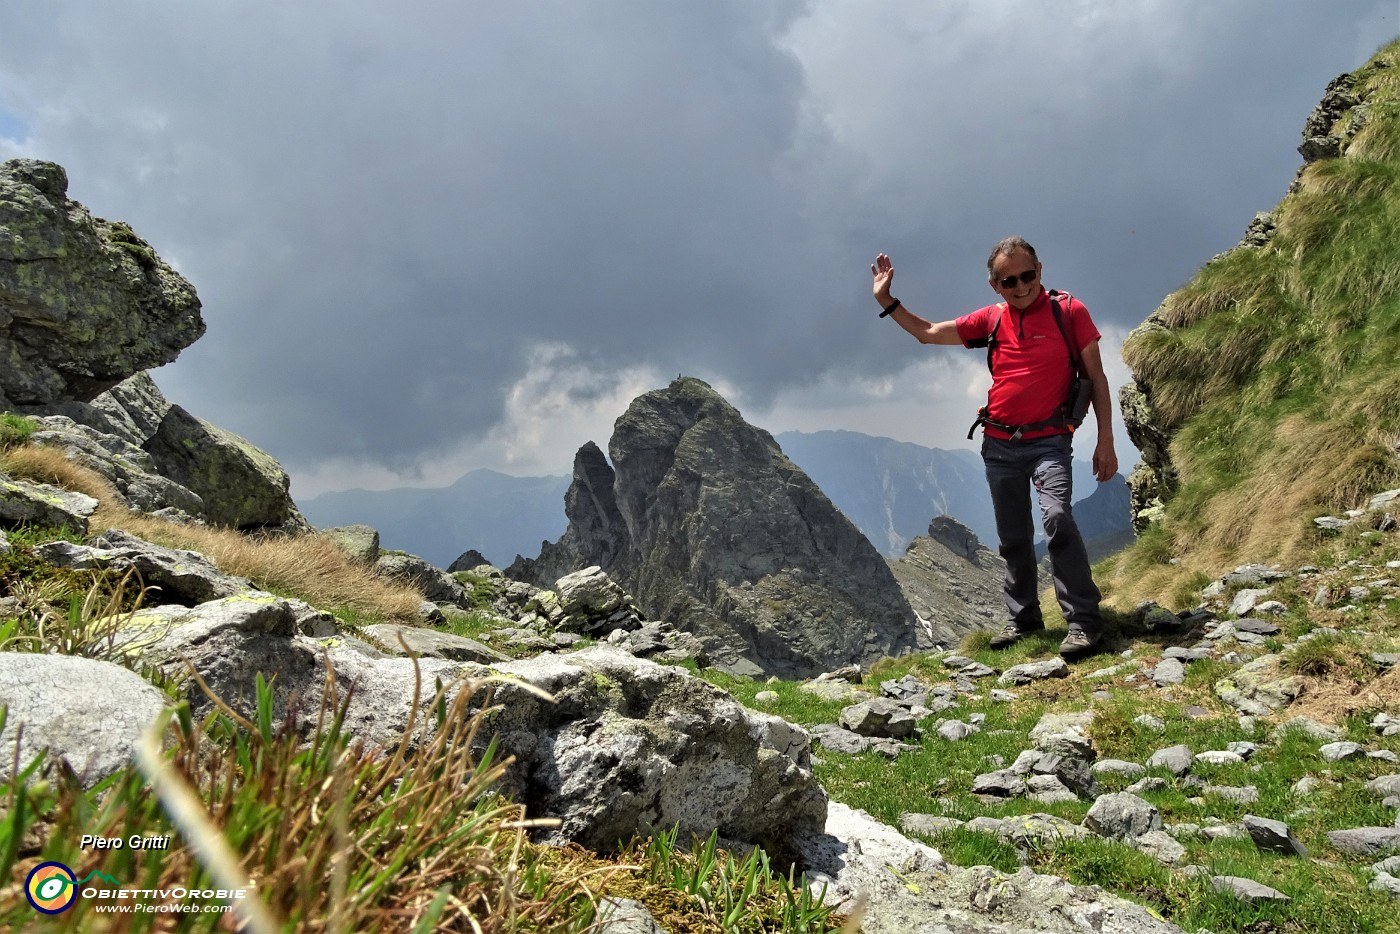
(51, 888)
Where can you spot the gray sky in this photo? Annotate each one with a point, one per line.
(434, 236)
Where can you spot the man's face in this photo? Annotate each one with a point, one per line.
(1018, 266)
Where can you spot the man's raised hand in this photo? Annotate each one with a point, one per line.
(883, 271)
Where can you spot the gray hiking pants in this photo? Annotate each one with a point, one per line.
(1012, 468)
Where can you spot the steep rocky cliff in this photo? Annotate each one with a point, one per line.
(1264, 392)
(712, 528)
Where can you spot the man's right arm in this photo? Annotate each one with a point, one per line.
(944, 332)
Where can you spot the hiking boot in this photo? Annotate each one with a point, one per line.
(1011, 634)
(1079, 643)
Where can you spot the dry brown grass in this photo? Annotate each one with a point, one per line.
(311, 567)
(1312, 468)
(49, 465)
(1331, 698)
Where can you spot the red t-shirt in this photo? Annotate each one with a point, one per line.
(1031, 371)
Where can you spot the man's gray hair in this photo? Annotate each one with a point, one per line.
(1010, 245)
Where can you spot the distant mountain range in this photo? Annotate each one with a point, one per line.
(890, 489)
(497, 514)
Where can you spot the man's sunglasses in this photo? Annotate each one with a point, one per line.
(1010, 281)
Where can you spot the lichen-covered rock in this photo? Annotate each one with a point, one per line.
(628, 746)
(89, 713)
(360, 542)
(25, 503)
(175, 576)
(84, 302)
(1259, 687)
(158, 456)
(437, 585)
(422, 640)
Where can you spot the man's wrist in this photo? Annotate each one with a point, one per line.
(888, 307)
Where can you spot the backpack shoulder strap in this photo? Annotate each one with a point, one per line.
(1055, 296)
(990, 341)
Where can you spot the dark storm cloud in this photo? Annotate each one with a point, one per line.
(388, 209)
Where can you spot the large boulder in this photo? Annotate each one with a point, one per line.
(628, 746)
(703, 519)
(159, 456)
(84, 302)
(88, 713)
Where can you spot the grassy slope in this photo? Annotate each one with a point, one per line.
(1276, 366)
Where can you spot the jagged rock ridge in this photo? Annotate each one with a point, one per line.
(952, 580)
(704, 519)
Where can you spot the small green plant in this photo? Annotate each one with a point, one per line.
(121, 234)
(729, 894)
(15, 429)
(95, 624)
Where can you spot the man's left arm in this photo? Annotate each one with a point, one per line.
(1105, 461)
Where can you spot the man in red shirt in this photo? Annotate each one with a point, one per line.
(1024, 443)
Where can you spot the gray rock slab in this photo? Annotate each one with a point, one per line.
(432, 643)
(625, 916)
(838, 691)
(1385, 882)
(26, 503)
(178, 576)
(1366, 841)
(1273, 835)
(86, 712)
(1340, 752)
(1246, 599)
(1035, 671)
(1002, 784)
(929, 825)
(1122, 816)
(1161, 846)
(1169, 671)
(1323, 731)
(1050, 724)
(1247, 890)
(879, 716)
(1039, 829)
(955, 730)
(1247, 794)
(1117, 767)
(1145, 785)
(843, 740)
(1175, 759)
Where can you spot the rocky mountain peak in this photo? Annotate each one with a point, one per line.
(714, 529)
